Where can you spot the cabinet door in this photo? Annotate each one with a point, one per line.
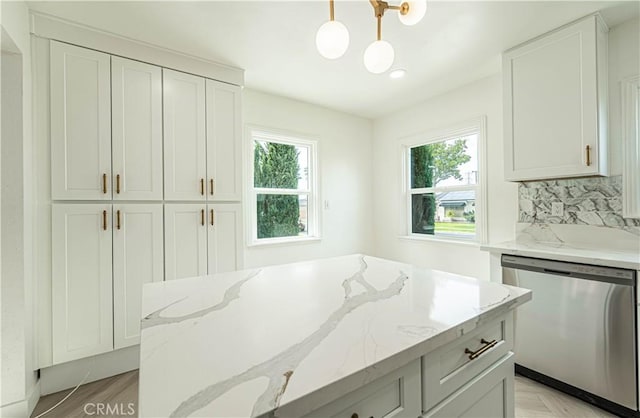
(137, 130)
(553, 111)
(80, 123)
(184, 136)
(185, 240)
(82, 319)
(137, 259)
(489, 395)
(224, 140)
(224, 237)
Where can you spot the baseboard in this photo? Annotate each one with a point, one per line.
(23, 408)
(69, 375)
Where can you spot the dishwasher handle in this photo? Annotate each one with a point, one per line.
(579, 271)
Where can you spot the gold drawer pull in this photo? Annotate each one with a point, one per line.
(487, 346)
(202, 217)
(212, 217)
(211, 184)
(118, 183)
(588, 155)
(118, 219)
(104, 183)
(202, 187)
(104, 220)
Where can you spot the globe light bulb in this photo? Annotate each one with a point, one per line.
(378, 57)
(417, 10)
(332, 39)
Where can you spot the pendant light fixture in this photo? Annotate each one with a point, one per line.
(332, 38)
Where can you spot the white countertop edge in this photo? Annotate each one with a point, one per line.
(335, 390)
(612, 259)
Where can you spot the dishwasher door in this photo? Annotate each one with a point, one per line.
(580, 326)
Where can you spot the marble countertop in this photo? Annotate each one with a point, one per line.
(628, 259)
(288, 339)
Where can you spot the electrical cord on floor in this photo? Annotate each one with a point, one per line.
(66, 397)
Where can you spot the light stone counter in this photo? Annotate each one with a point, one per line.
(298, 336)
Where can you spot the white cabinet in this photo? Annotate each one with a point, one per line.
(80, 98)
(137, 130)
(137, 259)
(489, 395)
(224, 139)
(224, 237)
(201, 239)
(555, 104)
(631, 138)
(82, 320)
(185, 158)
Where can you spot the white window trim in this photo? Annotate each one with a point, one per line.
(313, 213)
(472, 126)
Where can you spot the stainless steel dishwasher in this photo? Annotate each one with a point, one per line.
(578, 333)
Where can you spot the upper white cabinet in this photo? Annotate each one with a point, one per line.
(137, 130)
(80, 98)
(185, 158)
(223, 141)
(137, 259)
(82, 321)
(555, 104)
(631, 137)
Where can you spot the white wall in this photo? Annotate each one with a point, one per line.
(624, 62)
(19, 384)
(345, 167)
(483, 97)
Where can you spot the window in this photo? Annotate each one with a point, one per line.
(443, 173)
(283, 195)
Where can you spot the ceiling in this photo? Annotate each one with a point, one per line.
(274, 41)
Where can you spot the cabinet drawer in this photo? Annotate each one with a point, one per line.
(489, 395)
(396, 394)
(447, 368)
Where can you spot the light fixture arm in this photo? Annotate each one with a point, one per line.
(380, 6)
(379, 27)
(331, 14)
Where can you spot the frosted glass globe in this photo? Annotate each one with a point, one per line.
(332, 39)
(378, 57)
(417, 10)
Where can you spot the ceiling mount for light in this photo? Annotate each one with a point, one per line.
(332, 38)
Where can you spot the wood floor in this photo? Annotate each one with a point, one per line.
(533, 400)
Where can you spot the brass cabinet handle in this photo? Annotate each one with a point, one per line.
(202, 187)
(202, 217)
(104, 183)
(118, 219)
(212, 217)
(118, 183)
(104, 220)
(211, 184)
(475, 354)
(588, 155)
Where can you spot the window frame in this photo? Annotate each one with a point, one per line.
(313, 219)
(469, 127)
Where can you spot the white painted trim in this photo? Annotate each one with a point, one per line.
(476, 125)
(631, 147)
(22, 408)
(50, 27)
(314, 222)
(68, 375)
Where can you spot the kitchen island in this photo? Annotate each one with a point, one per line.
(353, 336)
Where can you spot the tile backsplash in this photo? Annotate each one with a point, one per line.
(587, 201)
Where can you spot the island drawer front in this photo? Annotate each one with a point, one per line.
(396, 395)
(489, 395)
(447, 368)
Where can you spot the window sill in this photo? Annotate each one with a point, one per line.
(445, 240)
(284, 241)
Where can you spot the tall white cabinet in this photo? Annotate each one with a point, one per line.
(80, 123)
(145, 187)
(82, 322)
